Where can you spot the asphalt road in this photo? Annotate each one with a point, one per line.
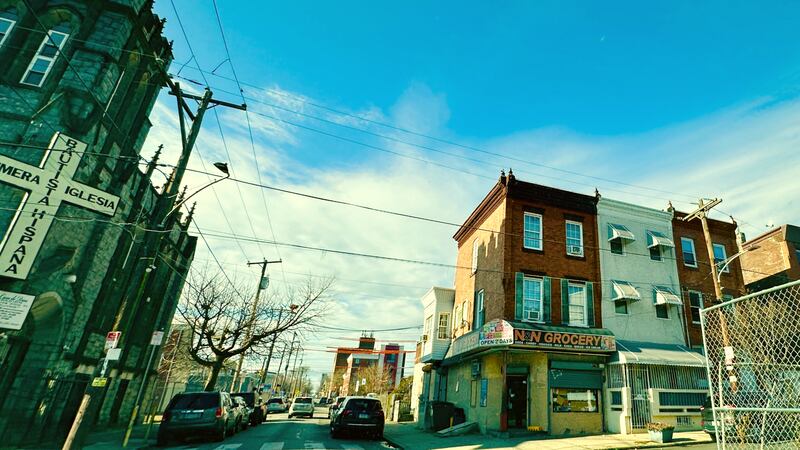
(281, 433)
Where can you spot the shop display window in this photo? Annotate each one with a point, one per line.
(575, 400)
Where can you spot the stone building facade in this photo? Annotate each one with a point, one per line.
(93, 76)
(772, 258)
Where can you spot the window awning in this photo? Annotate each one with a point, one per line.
(666, 296)
(629, 352)
(624, 291)
(654, 238)
(619, 231)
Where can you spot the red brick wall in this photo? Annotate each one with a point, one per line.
(553, 260)
(700, 278)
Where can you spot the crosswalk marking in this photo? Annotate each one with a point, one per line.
(315, 445)
(352, 447)
(228, 446)
(272, 446)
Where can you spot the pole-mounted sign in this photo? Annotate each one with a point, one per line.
(49, 184)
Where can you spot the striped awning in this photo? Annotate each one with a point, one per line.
(616, 230)
(654, 238)
(666, 296)
(624, 291)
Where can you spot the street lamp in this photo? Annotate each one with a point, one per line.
(222, 167)
(727, 262)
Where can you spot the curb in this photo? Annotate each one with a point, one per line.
(392, 442)
(657, 445)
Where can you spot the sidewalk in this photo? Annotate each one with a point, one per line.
(112, 439)
(407, 436)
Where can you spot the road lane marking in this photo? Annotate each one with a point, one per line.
(352, 447)
(272, 446)
(228, 446)
(315, 445)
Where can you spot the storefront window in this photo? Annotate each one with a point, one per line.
(575, 400)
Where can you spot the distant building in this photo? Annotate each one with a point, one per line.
(340, 364)
(440, 322)
(354, 378)
(772, 258)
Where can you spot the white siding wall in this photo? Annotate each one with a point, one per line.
(436, 301)
(636, 267)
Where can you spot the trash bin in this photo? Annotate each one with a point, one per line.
(458, 416)
(441, 413)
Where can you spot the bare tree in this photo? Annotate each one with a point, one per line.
(373, 379)
(224, 323)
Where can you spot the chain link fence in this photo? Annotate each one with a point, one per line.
(753, 349)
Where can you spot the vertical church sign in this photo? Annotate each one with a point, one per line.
(47, 186)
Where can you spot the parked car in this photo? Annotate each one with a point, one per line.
(276, 405)
(361, 414)
(242, 413)
(335, 406)
(198, 413)
(258, 409)
(302, 406)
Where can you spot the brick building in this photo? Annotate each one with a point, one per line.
(694, 268)
(529, 348)
(340, 362)
(772, 258)
(91, 80)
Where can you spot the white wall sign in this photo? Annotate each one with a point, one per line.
(156, 338)
(14, 308)
(49, 185)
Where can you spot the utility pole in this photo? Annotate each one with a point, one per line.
(88, 404)
(294, 370)
(702, 213)
(263, 283)
(289, 360)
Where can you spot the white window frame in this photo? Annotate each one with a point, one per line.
(525, 232)
(684, 240)
(572, 322)
(456, 317)
(50, 60)
(428, 327)
(8, 31)
(464, 314)
(693, 307)
(567, 238)
(525, 309)
(475, 247)
(665, 306)
(480, 304)
(443, 329)
(725, 257)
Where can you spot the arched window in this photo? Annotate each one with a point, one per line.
(46, 56)
(7, 21)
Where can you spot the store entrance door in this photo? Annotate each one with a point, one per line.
(640, 404)
(517, 401)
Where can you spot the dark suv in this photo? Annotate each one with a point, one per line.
(197, 413)
(361, 414)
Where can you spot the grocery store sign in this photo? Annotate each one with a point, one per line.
(564, 340)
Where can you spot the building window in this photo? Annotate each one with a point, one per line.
(617, 235)
(532, 299)
(574, 238)
(427, 334)
(444, 325)
(480, 314)
(720, 255)
(6, 24)
(575, 400)
(475, 248)
(689, 256)
(45, 57)
(464, 314)
(533, 231)
(655, 253)
(621, 307)
(662, 311)
(577, 304)
(457, 317)
(696, 304)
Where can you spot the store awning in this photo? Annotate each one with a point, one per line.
(630, 352)
(619, 231)
(654, 239)
(666, 296)
(624, 291)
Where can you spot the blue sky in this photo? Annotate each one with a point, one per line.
(679, 99)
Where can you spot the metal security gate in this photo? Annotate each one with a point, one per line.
(753, 355)
(639, 379)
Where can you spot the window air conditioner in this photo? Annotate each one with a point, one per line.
(533, 315)
(574, 249)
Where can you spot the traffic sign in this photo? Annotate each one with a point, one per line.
(99, 381)
(157, 337)
(113, 354)
(112, 339)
